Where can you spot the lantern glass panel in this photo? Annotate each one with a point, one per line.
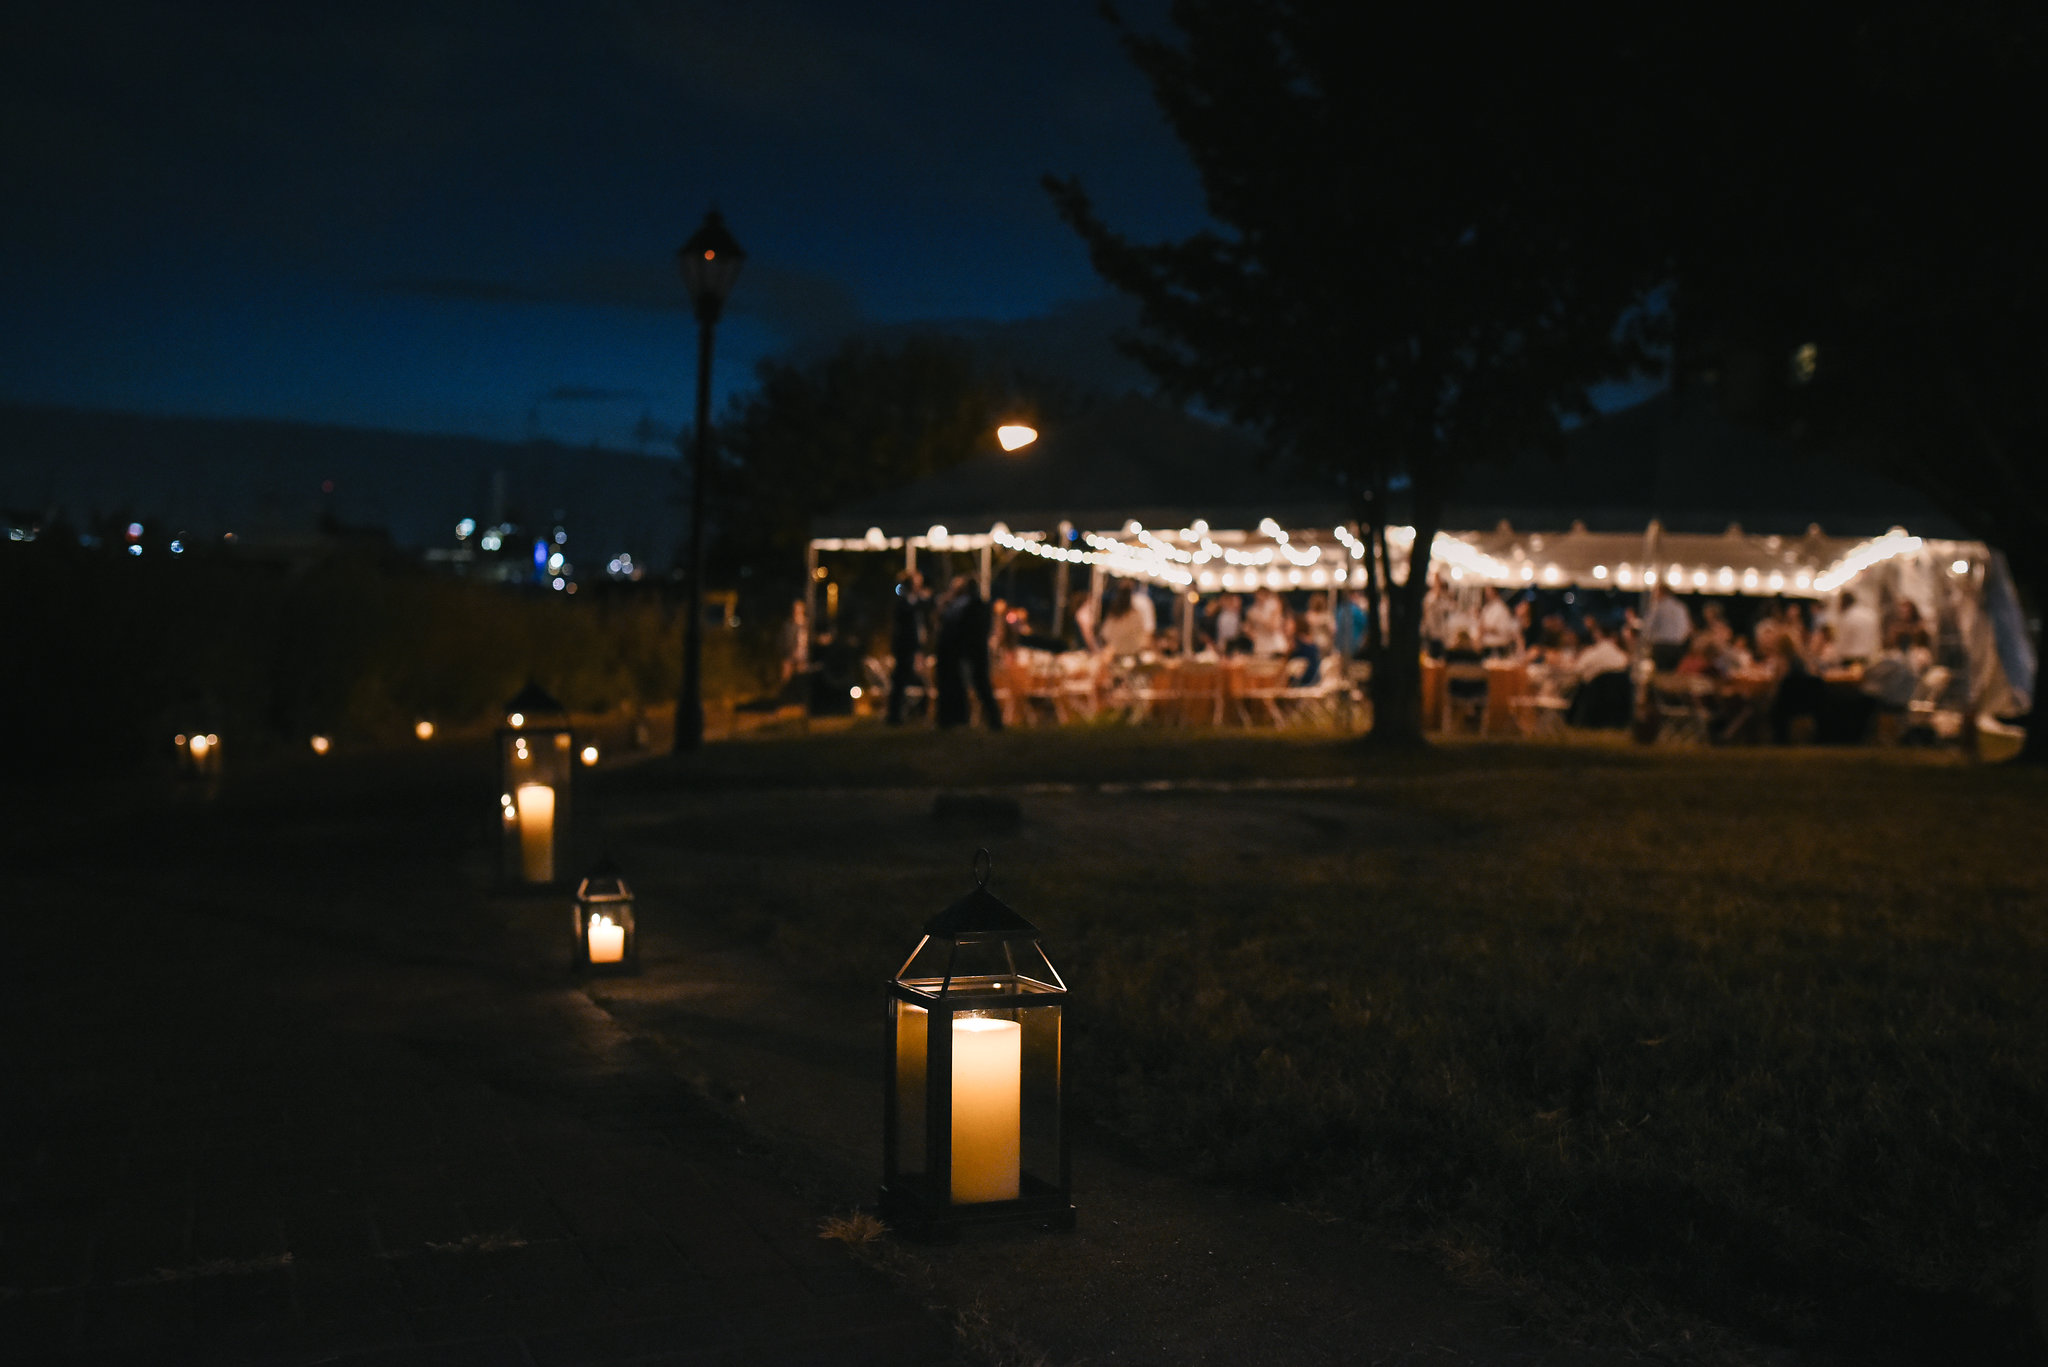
(912, 1032)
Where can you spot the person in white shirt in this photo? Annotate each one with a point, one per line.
(1856, 630)
(1498, 634)
(1229, 621)
(1123, 625)
(1603, 656)
(1267, 624)
(1148, 611)
(1667, 628)
(1436, 616)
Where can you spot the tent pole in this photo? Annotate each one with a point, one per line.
(909, 556)
(1187, 622)
(810, 597)
(1059, 597)
(988, 577)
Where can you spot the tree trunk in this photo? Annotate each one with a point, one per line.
(1397, 667)
(2034, 750)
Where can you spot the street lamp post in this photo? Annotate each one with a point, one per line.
(710, 262)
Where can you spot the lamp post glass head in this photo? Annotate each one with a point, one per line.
(710, 262)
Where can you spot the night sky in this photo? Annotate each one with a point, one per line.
(462, 217)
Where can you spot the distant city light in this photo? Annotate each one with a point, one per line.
(491, 540)
(854, 692)
(320, 745)
(555, 563)
(177, 548)
(1015, 436)
(540, 554)
(1961, 567)
(135, 550)
(561, 537)
(589, 755)
(464, 528)
(424, 729)
(518, 719)
(560, 583)
(134, 530)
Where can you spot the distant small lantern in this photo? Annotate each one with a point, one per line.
(974, 1127)
(536, 758)
(199, 755)
(606, 937)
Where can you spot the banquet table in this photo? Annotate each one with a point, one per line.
(1506, 680)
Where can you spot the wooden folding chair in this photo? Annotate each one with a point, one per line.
(1262, 681)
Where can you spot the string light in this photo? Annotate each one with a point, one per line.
(1183, 558)
(1892, 544)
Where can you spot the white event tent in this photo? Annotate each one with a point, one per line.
(1131, 491)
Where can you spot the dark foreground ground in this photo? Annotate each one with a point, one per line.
(1686, 1057)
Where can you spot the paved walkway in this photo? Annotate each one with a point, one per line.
(249, 1118)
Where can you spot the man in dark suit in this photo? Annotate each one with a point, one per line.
(906, 640)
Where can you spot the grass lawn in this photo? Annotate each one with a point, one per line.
(1652, 1040)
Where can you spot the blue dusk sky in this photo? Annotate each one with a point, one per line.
(461, 217)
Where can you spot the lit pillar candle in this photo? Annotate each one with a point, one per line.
(607, 940)
(537, 832)
(988, 1066)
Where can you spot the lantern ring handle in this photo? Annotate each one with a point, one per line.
(982, 864)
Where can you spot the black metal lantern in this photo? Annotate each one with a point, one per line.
(606, 938)
(535, 759)
(973, 1122)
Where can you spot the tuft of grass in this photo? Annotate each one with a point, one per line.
(854, 1228)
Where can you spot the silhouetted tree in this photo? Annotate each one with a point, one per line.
(810, 437)
(1413, 269)
(1858, 248)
